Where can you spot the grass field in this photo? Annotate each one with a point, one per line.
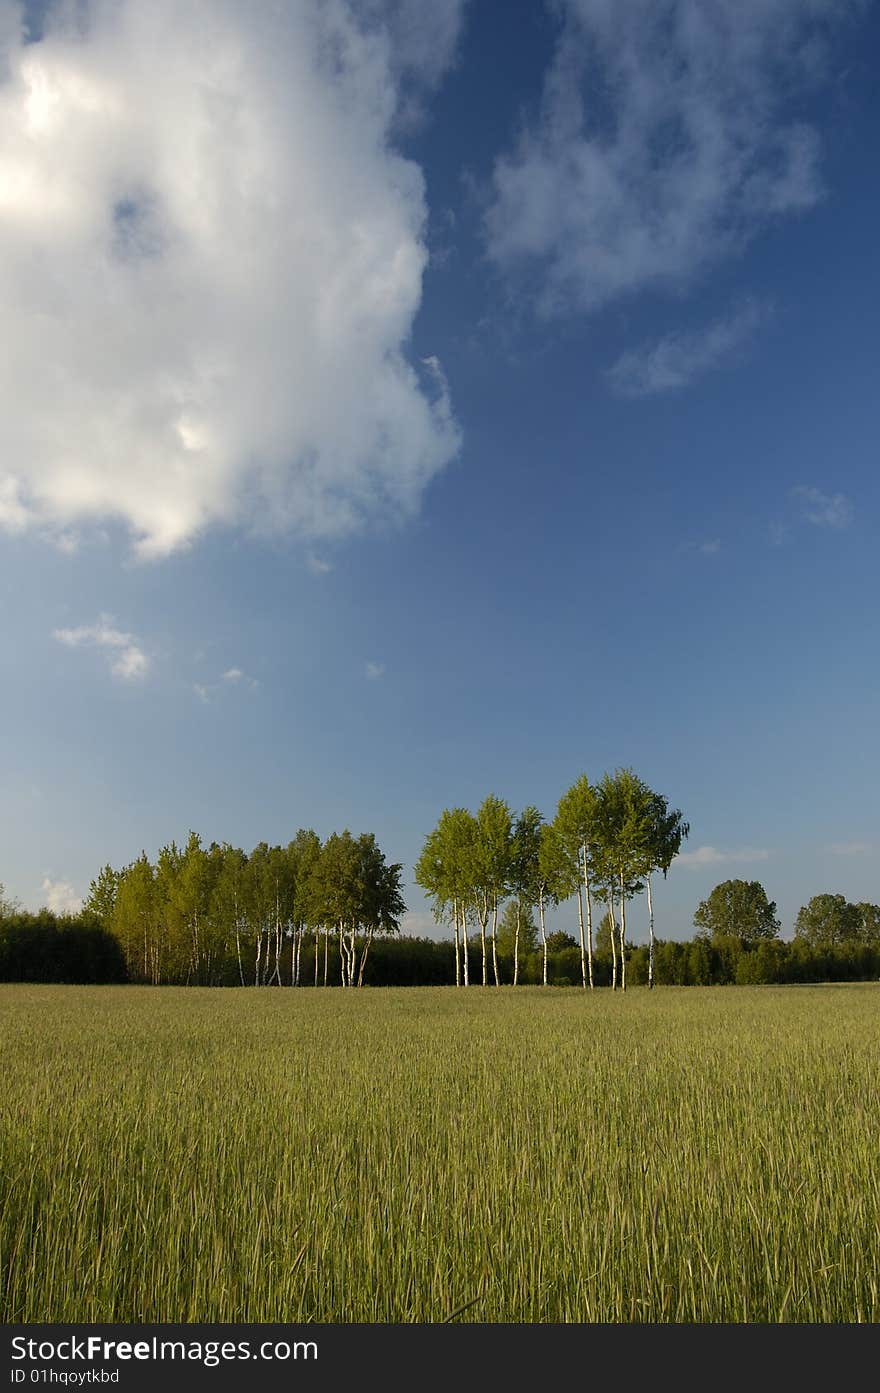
(703, 1154)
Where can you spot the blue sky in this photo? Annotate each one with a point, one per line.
(408, 404)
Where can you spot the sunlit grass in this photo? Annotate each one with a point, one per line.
(392, 1155)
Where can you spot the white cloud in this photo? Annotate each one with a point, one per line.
(823, 509)
(374, 671)
(232, 677)
(711, 856)
(848, 849)
(211, 257)
(677, 359)
(61, 897)
(667, 139)
(317, 565)
(126, 656)
(710, 548)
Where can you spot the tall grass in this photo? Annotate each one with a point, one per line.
(394, 1155)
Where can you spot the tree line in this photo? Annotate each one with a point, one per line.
(273, 913)
(601, 848)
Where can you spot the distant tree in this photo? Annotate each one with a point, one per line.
(869, 916)
(553, 885)
(525, 881)
(828, 920)
(517, 931)
(666, 830)
(7, 906)
(560, 940)
(101, 899)
(738, 910)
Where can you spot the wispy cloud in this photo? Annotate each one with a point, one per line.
(710, 548)
(126, 657)
(222, 349)
(712, 856)
(232, 677)
(669, 136)
(374, 671)
(677, 359)
(61, 897)
(317, 565)
(832, 510)
(848, 849)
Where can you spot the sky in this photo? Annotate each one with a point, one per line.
(405, 403)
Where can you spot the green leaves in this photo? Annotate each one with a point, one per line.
(738, 909)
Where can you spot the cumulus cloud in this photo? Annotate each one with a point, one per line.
(677, 359)
(712, 856)
(832, 510)
(61, 897)
(374, 671)
(211, 257)
(126, 657)
(665, 141)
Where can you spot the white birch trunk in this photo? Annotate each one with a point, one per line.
(516, 943)
(581, 936)
(457, 952)
(622, 935)
(543, 933)
(650, 937)
(613, 924)
(495, 939)
(589, 900)
(464, 947)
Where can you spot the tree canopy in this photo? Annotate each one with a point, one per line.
(738, 909)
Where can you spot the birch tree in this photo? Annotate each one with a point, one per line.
(623, 842)
(492, 858)
(576, 828)
(666, 830)
(525, 876)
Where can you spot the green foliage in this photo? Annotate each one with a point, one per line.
(45, 947)
(828, 920)
(507, 927)
(738, 911)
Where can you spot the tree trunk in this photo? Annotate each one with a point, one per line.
(238, 949)
(365, 952)
(589, 900)
(495, 939)
(464, 947)
(650, 937)
(483, 918)
(326, 951)
(543, 933)
(457, 953)
(622, 935)
(516, 942)
(581, 936)
(613, 924)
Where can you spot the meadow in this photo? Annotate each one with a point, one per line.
(397, 1155)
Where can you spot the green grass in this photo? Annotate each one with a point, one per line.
(391, 1155)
